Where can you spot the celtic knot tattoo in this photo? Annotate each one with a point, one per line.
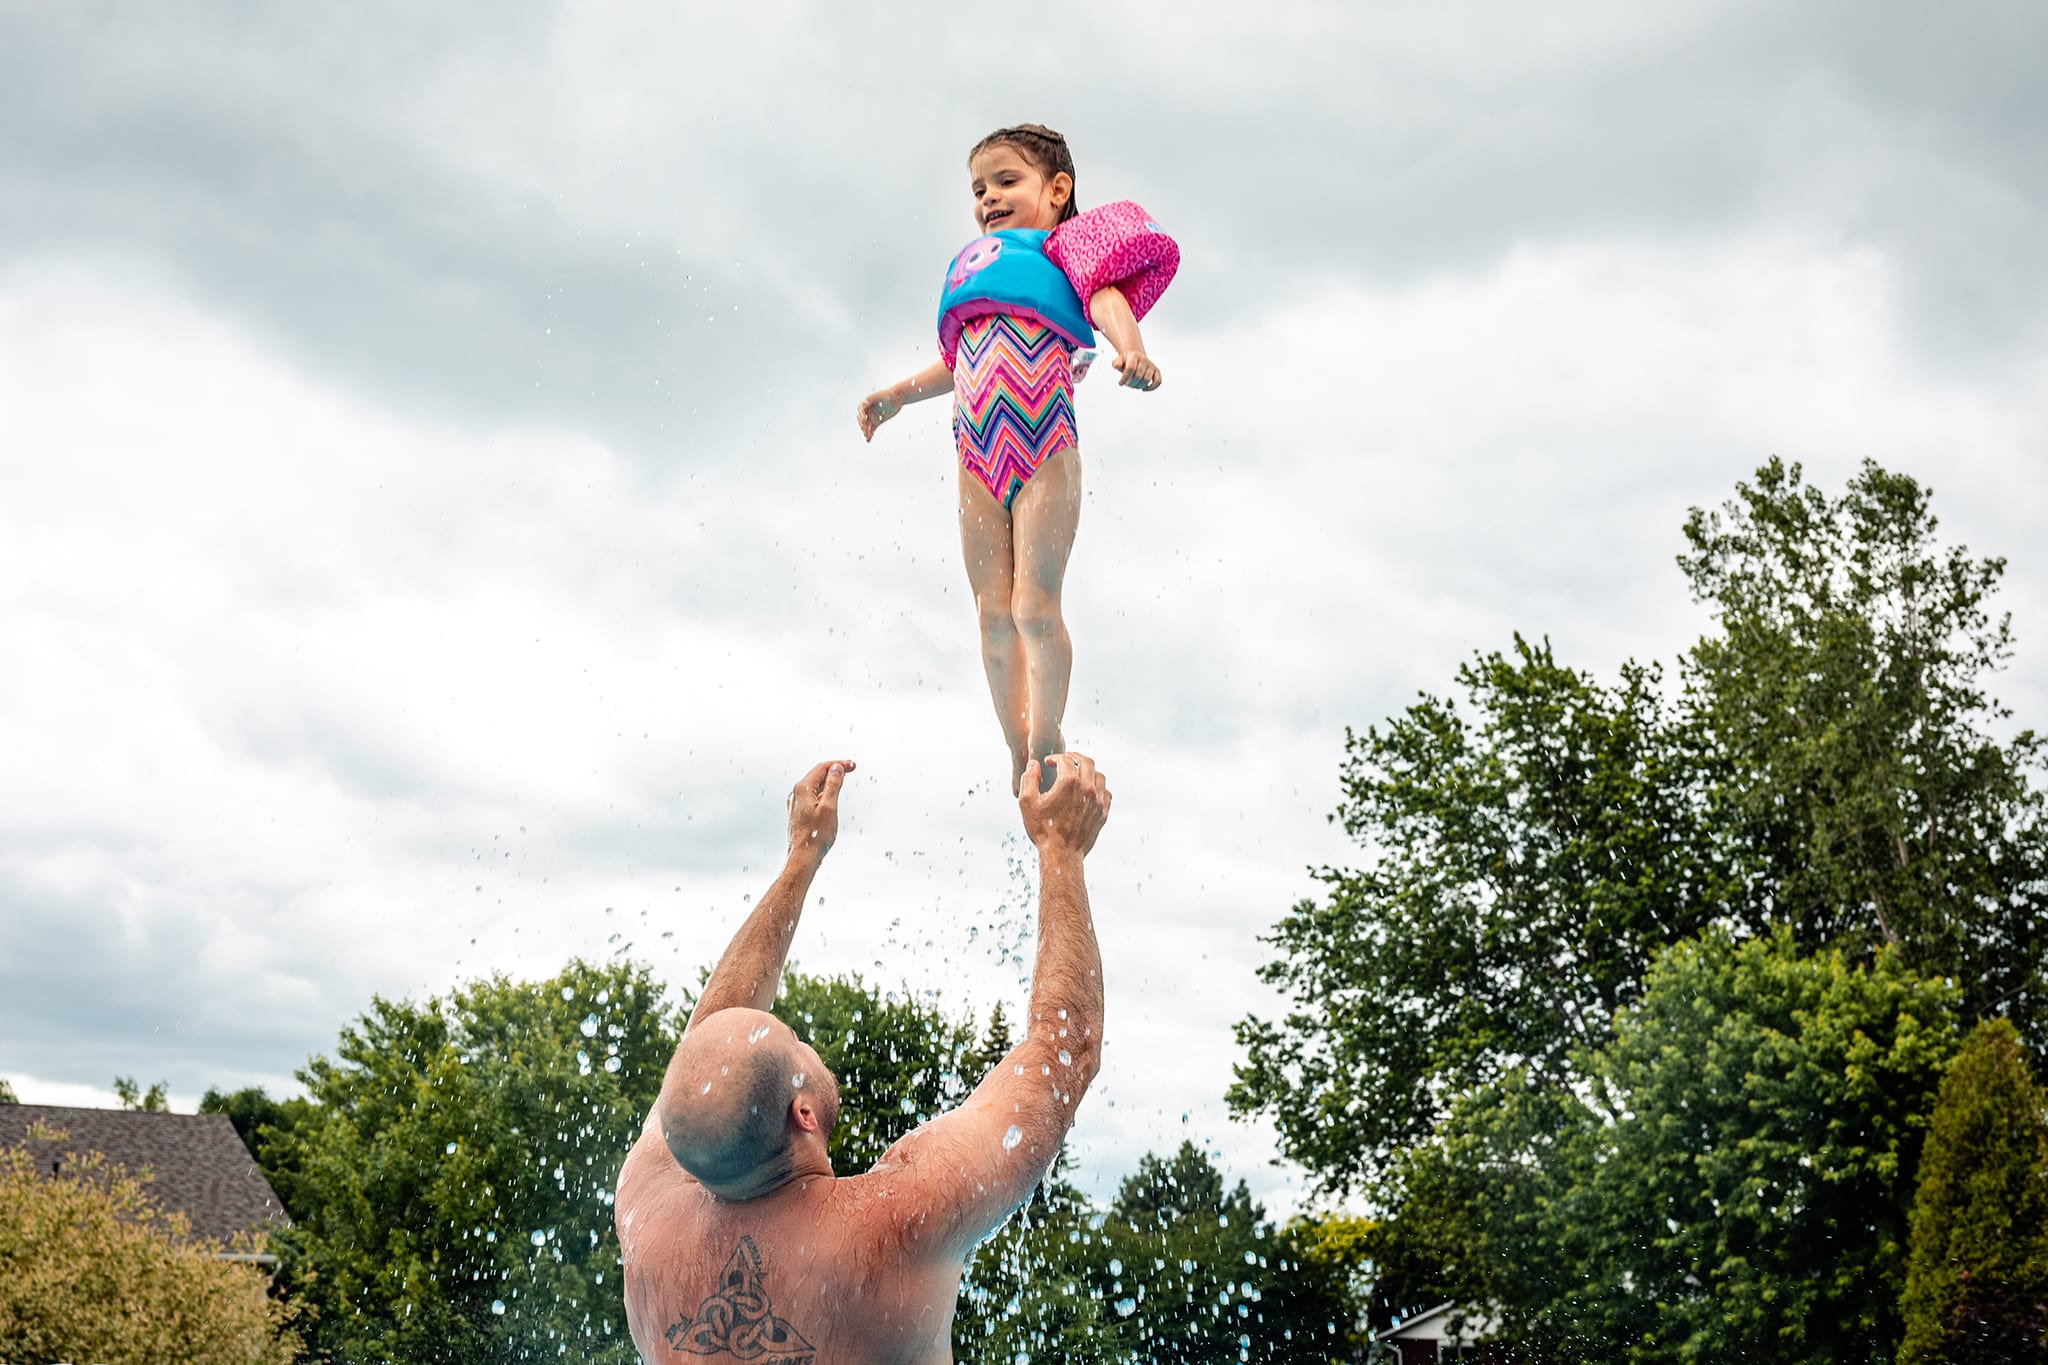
(737, 1320)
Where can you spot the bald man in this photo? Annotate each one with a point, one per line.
(740, 1242)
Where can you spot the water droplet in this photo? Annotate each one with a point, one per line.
(1116, 1265)
(538, 1238)
(1126, 1307)
(568, 992)
(797, 1080)
(498, 1307)
(755, 1035)
(1011, 1138)
(589, 1026)
(1066, 1057)
(451, 1149)
(611, 1064)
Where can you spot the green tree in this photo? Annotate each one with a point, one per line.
(7, 1094)
(1179, 1268)
(262, 1123)
(898, 1061)
(1977, 1281)
(1853, 776)
(1531, 849)
(1832, 763)
(1746, 1196)
(450, 1168)
(1331, 1263)
(132, 1096)
(92, 1269)
(452, 1185)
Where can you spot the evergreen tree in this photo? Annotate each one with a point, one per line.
(1977, 1282)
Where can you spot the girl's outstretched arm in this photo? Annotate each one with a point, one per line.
(879, 406)
(1111, 311)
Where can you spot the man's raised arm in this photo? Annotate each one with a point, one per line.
(750, 972)
(969, 1169)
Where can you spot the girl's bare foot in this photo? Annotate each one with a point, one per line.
(1038, 757)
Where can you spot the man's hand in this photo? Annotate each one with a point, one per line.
(875, 409)
(814, 810)
(1067, 816)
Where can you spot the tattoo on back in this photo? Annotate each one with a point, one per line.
(737, 1320)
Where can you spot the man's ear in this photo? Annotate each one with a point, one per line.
(803, 1114)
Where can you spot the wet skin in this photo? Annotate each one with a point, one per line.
(1017, 557)
(767, 1255)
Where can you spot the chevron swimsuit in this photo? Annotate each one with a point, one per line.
(1013, 402)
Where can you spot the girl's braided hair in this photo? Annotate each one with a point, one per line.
(1045, 149)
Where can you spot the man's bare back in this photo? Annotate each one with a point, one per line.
(741, 1243)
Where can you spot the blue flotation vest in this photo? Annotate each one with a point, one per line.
(1008, 272)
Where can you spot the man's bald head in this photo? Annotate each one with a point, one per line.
(743, 1084)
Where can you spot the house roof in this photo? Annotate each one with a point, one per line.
(200, 1167)
(1434, 1325)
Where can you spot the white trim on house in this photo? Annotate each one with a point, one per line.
(1478, 1325)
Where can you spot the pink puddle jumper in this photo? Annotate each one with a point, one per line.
(1116, 244)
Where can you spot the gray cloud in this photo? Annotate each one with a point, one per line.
(93, 992)
(447, 523)
(523, 214)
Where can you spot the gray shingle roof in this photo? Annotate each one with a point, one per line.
(201, 1168)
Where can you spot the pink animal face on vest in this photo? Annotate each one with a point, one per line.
(977, 255)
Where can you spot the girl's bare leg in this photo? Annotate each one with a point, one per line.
(985, 543)
(1043, 519)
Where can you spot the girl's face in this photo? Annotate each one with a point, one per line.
(1010, 192)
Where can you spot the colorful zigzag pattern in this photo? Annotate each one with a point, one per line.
(1013, 400)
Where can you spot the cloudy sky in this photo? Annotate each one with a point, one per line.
(433, 531)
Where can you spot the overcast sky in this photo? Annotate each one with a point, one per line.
(434, 534)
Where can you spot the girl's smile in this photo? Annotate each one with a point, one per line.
(1009, 192)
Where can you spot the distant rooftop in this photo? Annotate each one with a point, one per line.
(200, 1167)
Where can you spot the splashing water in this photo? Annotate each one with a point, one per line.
(1012, 1137)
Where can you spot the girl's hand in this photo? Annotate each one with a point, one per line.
(1138, 371)
(875, 409)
